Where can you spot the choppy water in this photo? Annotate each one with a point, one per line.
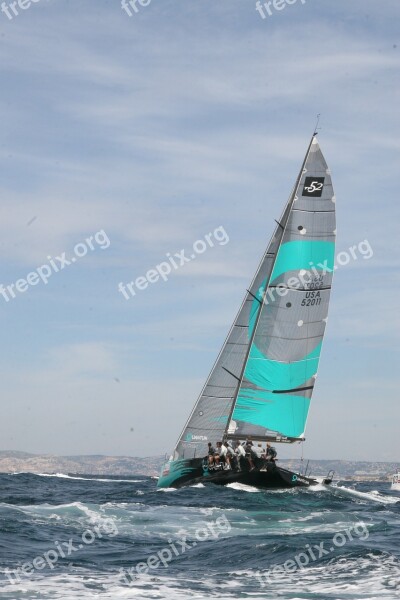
(199, 542)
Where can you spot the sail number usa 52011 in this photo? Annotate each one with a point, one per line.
(313, 294)
(312, 299)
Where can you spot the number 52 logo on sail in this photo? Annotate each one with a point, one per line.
(313, 186)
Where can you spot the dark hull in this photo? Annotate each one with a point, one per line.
(266, 476)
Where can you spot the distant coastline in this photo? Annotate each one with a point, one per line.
(23, 462)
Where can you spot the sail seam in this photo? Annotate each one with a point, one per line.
(291, 339)
(321, 212)
(293, 289)
(218, 397)
(300, 389)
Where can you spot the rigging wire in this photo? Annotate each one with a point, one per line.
(317, 123)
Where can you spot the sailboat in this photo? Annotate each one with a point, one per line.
(260, 387)
(396, 482)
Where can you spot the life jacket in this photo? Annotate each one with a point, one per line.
(271, 452)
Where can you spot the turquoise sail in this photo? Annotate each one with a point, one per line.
(289, 315)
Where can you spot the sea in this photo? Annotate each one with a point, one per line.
(66, 537)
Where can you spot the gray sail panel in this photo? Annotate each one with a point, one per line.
(279, 335)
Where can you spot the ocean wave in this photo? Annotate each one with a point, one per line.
(372, 576)
(73, 513)
(242, 487)
(78, 478)
(258, 531)
(372, 495)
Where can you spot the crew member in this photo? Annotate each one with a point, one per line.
(231, 454)
(271, 453)
(249, 453)
(240, 453)
(222, 453)
(211, 452)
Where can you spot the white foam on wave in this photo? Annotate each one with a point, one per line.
(211, 509)
(123, 505)
(374, 577)
(242, 487)
(64, 476)
(299, 519)
(73, 513)
(373, 496)
(320, 487)
(31, 508)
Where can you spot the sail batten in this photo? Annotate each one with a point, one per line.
(262, 381)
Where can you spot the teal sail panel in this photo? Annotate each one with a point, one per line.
(301, 254)
(275, 375)
(281, 413)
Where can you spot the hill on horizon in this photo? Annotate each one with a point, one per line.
(14, 461)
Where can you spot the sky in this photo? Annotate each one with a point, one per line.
(145, 133)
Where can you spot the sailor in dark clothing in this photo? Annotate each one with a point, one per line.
(248, 448)
(271, 453)
(211, 452)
